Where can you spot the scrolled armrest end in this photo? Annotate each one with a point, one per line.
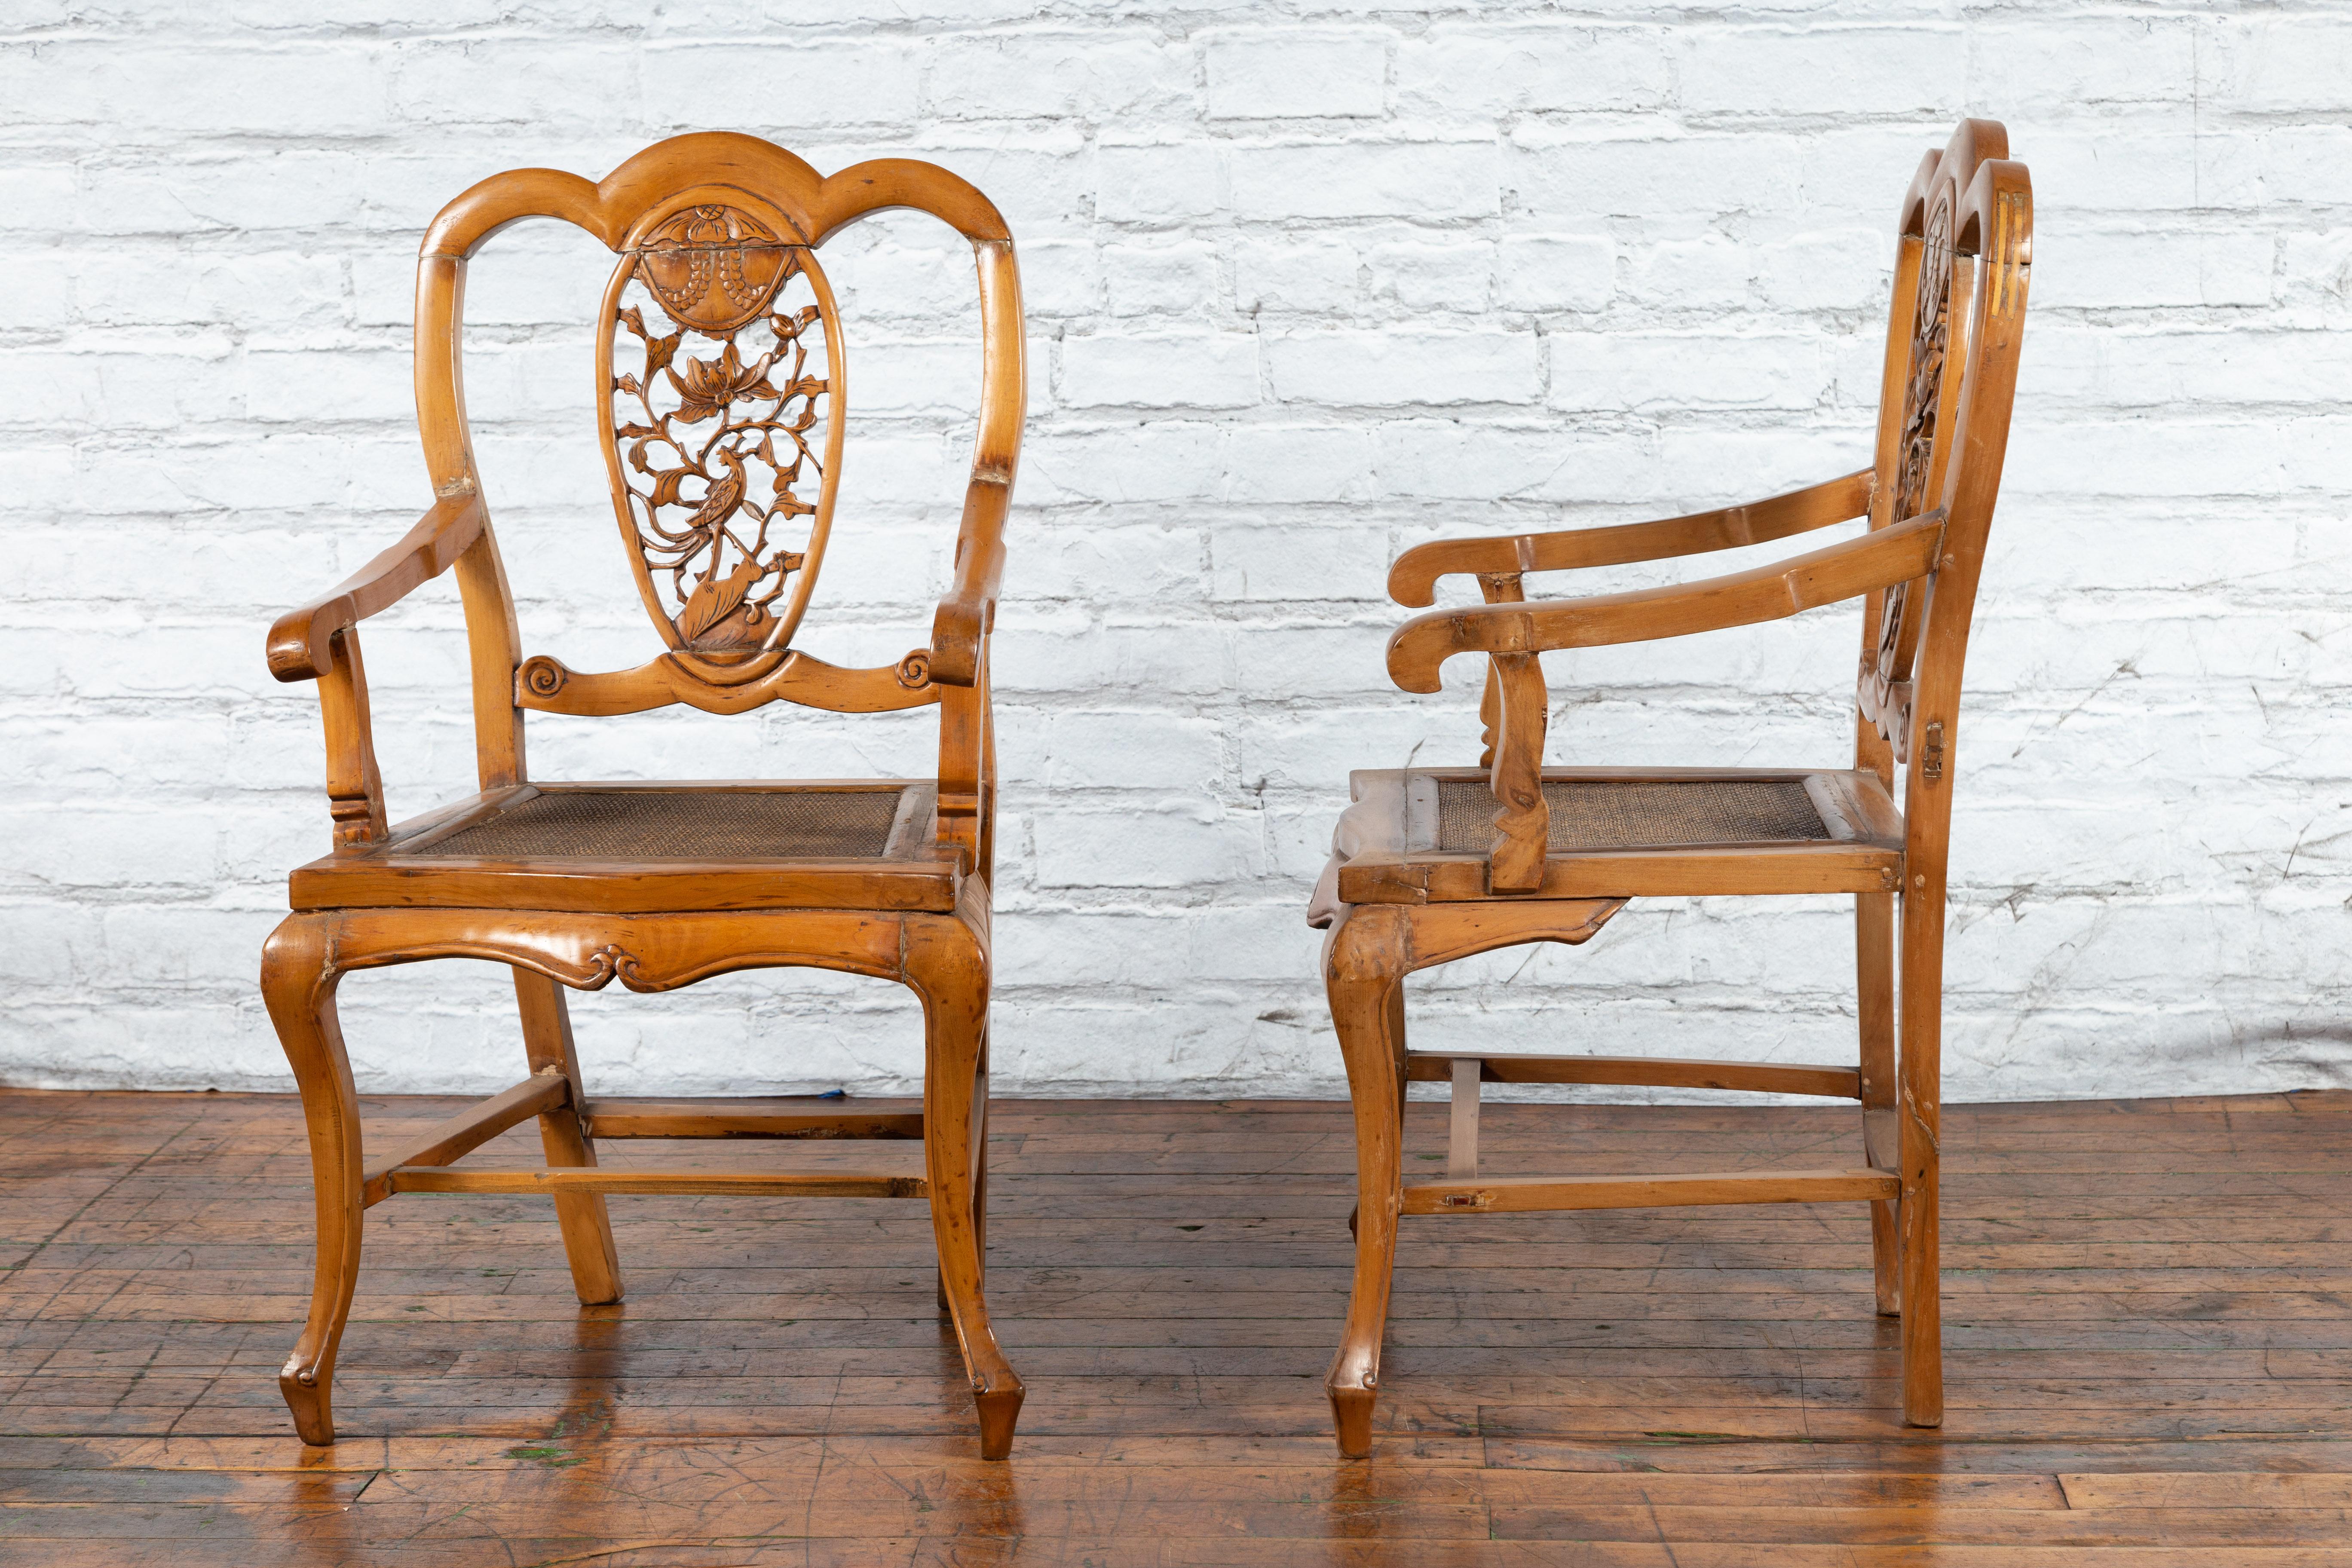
(302, 642)
(1418, 649)
(1412, 580)
(956, 630)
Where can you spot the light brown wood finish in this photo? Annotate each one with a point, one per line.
(2147, 1352)
(1762, 1078)
(470, 1129)
(1899, 553)
(1402, 884)
(587, 1227)
(725, 525)
(748, 1184)
(1536, 1194)
(1412, 581)
(745, 1118)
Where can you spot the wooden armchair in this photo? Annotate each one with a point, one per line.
(1436, 864)
(720, 386)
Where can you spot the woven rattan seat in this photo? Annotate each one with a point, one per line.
(684, 824)
(1609, 814)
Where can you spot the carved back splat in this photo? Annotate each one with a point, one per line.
(722, 423)
(720, 394)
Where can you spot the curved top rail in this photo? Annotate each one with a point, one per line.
(818, 205)
(1974, 142)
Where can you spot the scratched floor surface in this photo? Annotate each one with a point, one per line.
(2149, 1353)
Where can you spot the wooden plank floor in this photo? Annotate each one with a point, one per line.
(2149, 1310)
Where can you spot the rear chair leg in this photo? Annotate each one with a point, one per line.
(587, 1227)
(297, 982)
(1462, 1119)
(1921, 1118)
(1874, 963)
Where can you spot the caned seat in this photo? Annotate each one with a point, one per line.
(671, 847)
(1425, 834)
(721, 382)
(1430, 865)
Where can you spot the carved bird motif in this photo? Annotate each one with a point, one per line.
(720, 502)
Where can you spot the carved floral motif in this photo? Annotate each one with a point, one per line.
(714, 424)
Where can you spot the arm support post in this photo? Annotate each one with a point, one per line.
(354, 787)
(320, 642)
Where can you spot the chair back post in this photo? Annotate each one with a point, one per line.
(1953, 334)
(493, 635)
(960, 631)
(1992, 240)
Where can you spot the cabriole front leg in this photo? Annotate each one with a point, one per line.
(1364, 964)
(298, 982)
(947, 965)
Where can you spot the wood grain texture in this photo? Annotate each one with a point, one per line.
(545, 1090)
(750, 1184)
(1412, 580)
(744, 1118)
(2143, 1372)
(1532, 1194)
(1764, 1078)
(1846, 570)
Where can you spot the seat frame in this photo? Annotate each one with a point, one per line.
(1955, 327)
(920, 918)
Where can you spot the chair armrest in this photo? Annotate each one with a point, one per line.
(1844, 571)
(301, 642)
(968, 611)
(1412, 581)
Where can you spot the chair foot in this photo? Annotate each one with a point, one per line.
(1352, 1211)
(310, 1398)
(946, 963)
(1352, 1418)
(1000, 1412)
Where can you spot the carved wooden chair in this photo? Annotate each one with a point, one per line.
(1436, 864)
(721, 384)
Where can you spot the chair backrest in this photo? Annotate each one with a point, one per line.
(722, 395)
(1953, 335)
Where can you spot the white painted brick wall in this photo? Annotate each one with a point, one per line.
(1310, 282)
